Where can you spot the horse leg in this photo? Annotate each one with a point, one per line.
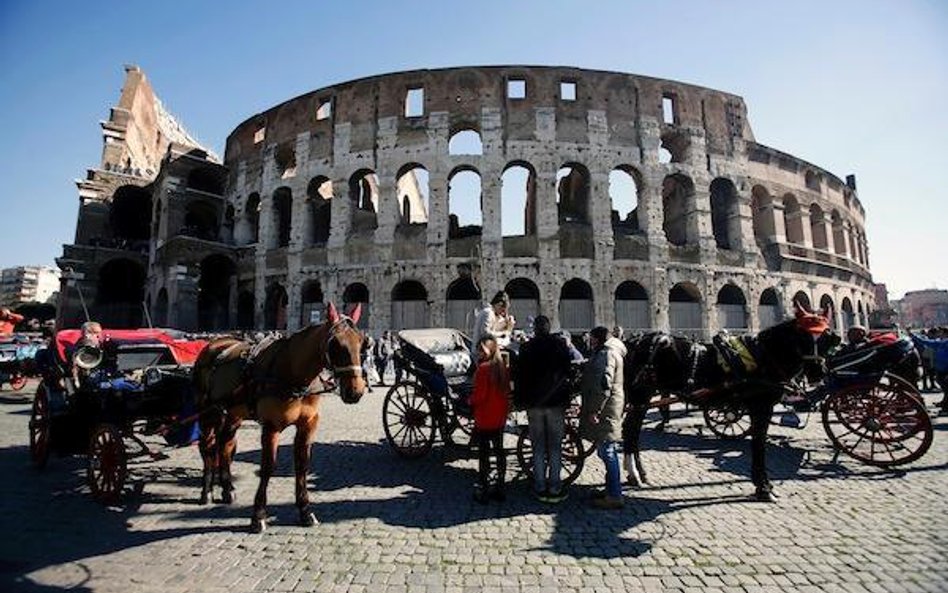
(269, 438)
(302, 449)
(760, 424)
(228, 449)
(631, 434)
(208, 447)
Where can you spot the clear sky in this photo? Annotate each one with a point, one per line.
(856, 86)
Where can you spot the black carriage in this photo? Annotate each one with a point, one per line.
(868, 404)
(431, 402)
(137, 385)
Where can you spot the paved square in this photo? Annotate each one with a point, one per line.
(396, 525)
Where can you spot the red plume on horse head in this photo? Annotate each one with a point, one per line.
(814, 323)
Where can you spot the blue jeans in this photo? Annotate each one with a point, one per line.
(607, 452)
(546, 437)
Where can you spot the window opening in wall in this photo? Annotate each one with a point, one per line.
(516, 88)
(676, 196)
(464, 204)
(415, 102)
(465, 142)
(286, 161)
(567, 91)
(572, 194)
(324, 111)
(518, 197)
(725, 214)
(282, 215)
(259, 135)
(624, 194)
(412, 188)
(319, 195)
(668, 109)
(363, 192)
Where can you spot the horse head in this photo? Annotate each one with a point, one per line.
(816, 338)
(344, 353)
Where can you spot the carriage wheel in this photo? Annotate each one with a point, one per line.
(728, 421)
(407, 419)
(573, 454)
(106, 470)
(17, 382)
(39, 428)
(881, 424)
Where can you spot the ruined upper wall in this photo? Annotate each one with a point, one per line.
(462, 93)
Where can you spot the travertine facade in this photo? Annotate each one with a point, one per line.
(603, 198)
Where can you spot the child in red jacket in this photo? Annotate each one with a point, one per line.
(490, 405)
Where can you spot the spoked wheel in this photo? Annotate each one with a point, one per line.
(728, 421)
(573, 454)
(407, 419)
(17, 382)
(106, 468)
(881, 424)
(39, 428)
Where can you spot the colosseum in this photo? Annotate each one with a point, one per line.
(592, 197)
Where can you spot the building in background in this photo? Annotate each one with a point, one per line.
(28, 284)
(923, 308)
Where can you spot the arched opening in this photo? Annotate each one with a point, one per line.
(762, 206)
(861, 316)
(802, 298)
(319, 200)
(230, 221)
(252, 217)
(848, 316)
(839, 236)
(246, 305)
(357, 294)
(732, 308)
(159, 314)
(577, 311)
(409, 305)
(364, 199)
(792, 219)
(826, 301)
(465, 218)
(214, 293)
(282, 215)
(120, 294)
(463, 299)
(518, 200)
(200, 220)
(274, 308)
(725, 214)
(624, 194)
(285, 160)
(677, 193)
(412, 192)
(818, 227)
(206, 180)
(768, 308)
(130, 215)
(524, 301)
(674, 148)
(631, 303)
(465, 142)
(313, 309)
(684, 309)
(572, 194)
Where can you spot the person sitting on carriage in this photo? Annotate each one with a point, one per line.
(542, 379)
(91, 338)
(856, 338)
(939, 356)
(8, 321)
(490, 404)
(493, 321)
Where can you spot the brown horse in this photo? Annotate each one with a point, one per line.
(277, 387)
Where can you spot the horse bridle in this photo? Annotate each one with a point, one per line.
(341, 371)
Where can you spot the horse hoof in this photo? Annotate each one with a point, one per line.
(228, 497)
(258, 525)
(765, 496)
(308, 519)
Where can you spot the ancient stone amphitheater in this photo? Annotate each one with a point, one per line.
(593, 197)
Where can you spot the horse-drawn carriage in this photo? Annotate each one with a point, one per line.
(432, 401)
(137, 384)
(17, 354)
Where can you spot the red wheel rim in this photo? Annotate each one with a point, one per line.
(39, 428)
(106, 469)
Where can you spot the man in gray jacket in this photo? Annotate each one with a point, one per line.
(603, 403)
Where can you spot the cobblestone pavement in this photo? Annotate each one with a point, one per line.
(389, 524)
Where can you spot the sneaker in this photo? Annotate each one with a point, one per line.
(557, 497)
(541, 495)
(608, 503)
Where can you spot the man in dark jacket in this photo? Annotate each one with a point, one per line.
(542, 381)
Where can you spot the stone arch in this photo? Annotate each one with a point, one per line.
(214, 292)
(684, 309)
(577, 308)
(282, 216)
(677, 193)
(725, 213)
(632, 306)
(246, 307)
(364, 198)
(412, 189)
(312, 305)
(732, 308)
(409, 305)
(200, 220)
(572, 193)
(847, 315)
(251, 219)
(818, 227)
(120, 293)
(274, 309)
(860, 314)
(465, 203)
(354, 294)
(465, 141)
(768, 308)
(462, 300)
(792, 219)
(803, 298)
(624, 191)
(160, 309)
(319, 206)
(524, 301)
(518, 200)
(130, 214)
(839, 235)
(674, 147)
(762, 207)
(827, 301)
(230, 221)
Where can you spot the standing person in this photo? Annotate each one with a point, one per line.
(939, 357)
(542, 379)
(8, 321)
(494, 321)
(603, 402)
(490, 404)
(383, 351)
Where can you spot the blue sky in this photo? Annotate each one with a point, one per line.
(854, 86)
